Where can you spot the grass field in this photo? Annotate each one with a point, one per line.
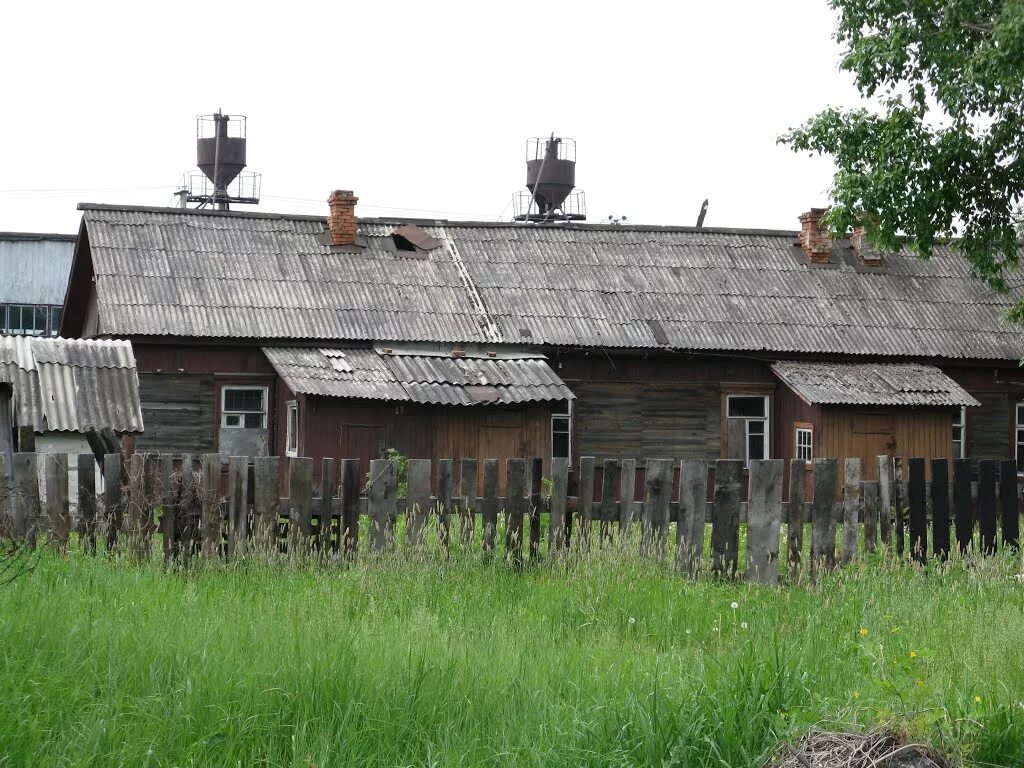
(608, 661)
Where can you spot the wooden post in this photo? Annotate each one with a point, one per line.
(382, 504)
(693, 495)
(325, 515)
(55, 470)
(188, 521)
(609, 504)
(209, 496)
(940, 508)
(489, 505)
(657, 500)
(267, 503)
(764, 521)
(559, 502)
(351, 493)
(137, 506)
(6, 499)
(899, 503)
(725, 523)
(536, 467)
(987, 505)
(86, 500)
(300, 505)
(418, 501)
(515, 501)
(1008, 503)
(238, 505)
(795, 514)
(962, 506)
(885, 500)
(25, 507)
(445, 492)
(627, 492)
(852, 502)
(585, 501)
(869, 491)
(113, 506)
(467, 502)
(823, 520)
(168, 503)
(918, 510)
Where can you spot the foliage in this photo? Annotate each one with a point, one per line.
(609, 660)
(944, 154)
(402, 462)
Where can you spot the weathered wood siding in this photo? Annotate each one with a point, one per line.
(179, 412)
(866, 433)
(990, 426)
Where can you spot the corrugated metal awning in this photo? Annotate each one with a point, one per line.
(891, 384)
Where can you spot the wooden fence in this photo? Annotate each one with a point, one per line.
(198, 508)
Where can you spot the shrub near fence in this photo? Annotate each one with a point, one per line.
(197, 512)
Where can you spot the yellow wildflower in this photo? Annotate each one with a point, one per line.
(863, 632)
(920, 683)
(856, 694)
(913, 654)
(977, 699)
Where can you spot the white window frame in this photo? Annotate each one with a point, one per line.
(810, 443)
(960, 423)
(291, 439)
(225, 413)
(747, 419)
(554, 416)
(1019, 427)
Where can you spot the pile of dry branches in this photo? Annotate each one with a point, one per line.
(877, 749)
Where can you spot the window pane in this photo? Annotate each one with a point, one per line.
(3, 318)
(755, 445)
(253, 420)
(15, 319)
(243, 399)
(755, 427)
(746, 406)
(560, 445)
(560, 406)
(41, 315)
(56, 313)
(232, 420)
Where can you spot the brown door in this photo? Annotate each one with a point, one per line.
(363, 442)
(873, 435)
(502, 439)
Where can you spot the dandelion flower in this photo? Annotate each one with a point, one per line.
(735, 605)
(913, 654)
(863, 632)
(977, 699)
(856, 694)
(920, 683)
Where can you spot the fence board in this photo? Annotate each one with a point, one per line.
(6, 498)
(609, 504)
(1008, 503)
(823, 514)
(987, 505)
(328, 488)
(869, 492)
(559, 503)
(136, 505)
(885, 499)
(585, 502)
(300, 504)
(86, 500)
(445, 492)
(515, 502)
(536, 467)
(209, 497)
(112, 498)
(795, 513)
(168, 503)
(627, 492)
(852, 502)
(418, 499)
(188, 518)
(918, 510)
(55, 470)
(489, 505)
(899, 505)
(940, 508)
(351, 491)
(267, 502)
(238, 505)
(382, 504)
(964, 519)
(467, 501)
(725, 524)
(693, 494)
(764, 521)
(657, 498)
(25, 507)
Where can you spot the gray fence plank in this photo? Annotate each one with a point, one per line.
(585, 502)
(885, 500)
(445, 492)
(325, 514)
(627, 492)
(6, 498)
(515, 502)
(609, 504)
(267, 502)
(209, 496)
(113, 499)
(536, 474)
(657, 497)
(869, 491)
(851, 508)
(58, 515)
(25, 506)
(489, 505)
(693, 494)
(900, 501)
(351, 492)
(86, 500)
(169, 490)
(559, 503)
(467, 501)
(764, 521)
(795, 514)
(300, 505)
(726, 522)
(382, 504)
(823, 517)
(238, 505)
(418, 500)
(137, 506)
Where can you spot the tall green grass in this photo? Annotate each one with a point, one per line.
(406, 661)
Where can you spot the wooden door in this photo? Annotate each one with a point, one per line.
(872, 436)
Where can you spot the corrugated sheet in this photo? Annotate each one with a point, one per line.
(871, 384)
(418, 378)
(35, 268)
(72, 384)
(188, 273)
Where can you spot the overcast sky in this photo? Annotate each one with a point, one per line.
(422, 108)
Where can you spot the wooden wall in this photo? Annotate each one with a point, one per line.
(179, 413)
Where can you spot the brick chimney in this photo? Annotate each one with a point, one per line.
(813, 239)
(341, 223)
(866, 255)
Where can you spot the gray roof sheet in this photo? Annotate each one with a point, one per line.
(72, 384)
(221, 274)
(871, 384)
(411, 376)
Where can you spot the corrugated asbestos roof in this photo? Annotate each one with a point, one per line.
(871, 384)
(221, 274)
(410, 376)
(72, 384)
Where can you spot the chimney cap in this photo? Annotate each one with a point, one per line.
(813, 214)
(341, 194)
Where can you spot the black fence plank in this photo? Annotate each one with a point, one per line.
(536, 469)
(351, 491)
(515, 502)
(489, 505)
(962, 505)
(940, 508)
(1008, 503)
(987, 504)
(918, 510)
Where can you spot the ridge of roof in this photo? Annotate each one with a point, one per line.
(37, 236)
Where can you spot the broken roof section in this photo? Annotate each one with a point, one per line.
(72, 384)
(421, 374)
(872, 384)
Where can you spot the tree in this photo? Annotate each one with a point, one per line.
(942, 154)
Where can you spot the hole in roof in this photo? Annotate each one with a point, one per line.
(404, 244)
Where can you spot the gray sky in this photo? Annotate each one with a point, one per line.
(422, 108)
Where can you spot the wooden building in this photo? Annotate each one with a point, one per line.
(647, 341)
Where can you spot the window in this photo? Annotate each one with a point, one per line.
(804, 442)
(561, 430)
(960, 433)
(56, 313)
(1020, 437)
(24, 319)
(748, 415)
(292, 436)
(243, 407)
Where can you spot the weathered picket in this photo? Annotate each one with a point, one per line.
(235, 506)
